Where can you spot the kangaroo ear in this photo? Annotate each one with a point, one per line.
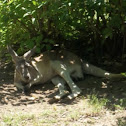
(28, 54)
(13, 54)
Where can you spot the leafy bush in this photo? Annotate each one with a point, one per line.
(93, 26)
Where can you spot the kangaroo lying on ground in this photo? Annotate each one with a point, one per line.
(60, 67)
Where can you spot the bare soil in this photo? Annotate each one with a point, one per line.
(38, 101)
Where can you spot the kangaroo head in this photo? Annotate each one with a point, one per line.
(23, 67)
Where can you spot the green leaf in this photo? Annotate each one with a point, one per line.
(107, 32)
(17, 6)
(40, 5)
(38, 50)
(33, 20)
(10, 1)
(34, 3)
(27, 14)
(124, 74)
(48, 47)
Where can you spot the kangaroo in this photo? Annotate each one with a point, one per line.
(60, 67)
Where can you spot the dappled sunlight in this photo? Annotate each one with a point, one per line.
(104, 85)
(40, 93)
(107, 73)
(10, 95)
(72, 61)
(87, 65)
(39, 58)
(62, 57)
(43, 93)
(59, 85)
(62, 72)
(63, 67)
(74, 86)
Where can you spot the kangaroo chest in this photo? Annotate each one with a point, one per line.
(44, 70)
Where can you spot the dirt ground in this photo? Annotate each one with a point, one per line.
(38, 101)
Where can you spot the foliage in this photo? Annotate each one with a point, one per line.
(90, 25)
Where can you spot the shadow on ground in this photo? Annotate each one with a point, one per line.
(113, 91)
(10, 95)
(121, 121)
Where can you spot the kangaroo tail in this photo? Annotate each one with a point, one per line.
(96, 71)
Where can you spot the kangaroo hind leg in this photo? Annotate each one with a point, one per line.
(61, 70)
(60, 83)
